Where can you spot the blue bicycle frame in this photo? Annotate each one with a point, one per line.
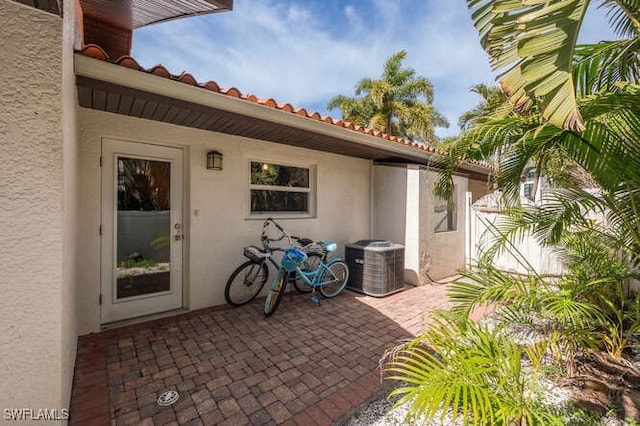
(323, 278)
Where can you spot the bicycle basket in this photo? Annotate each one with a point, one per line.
(254, 253)
(293, 258)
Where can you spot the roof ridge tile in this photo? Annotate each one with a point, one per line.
(187, 78)
(212, 86)
(301, 111)
(270, 102)
(160, 71)
(94, 51)
(231, 91)
(128, 62)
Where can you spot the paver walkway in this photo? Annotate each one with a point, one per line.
(305, 365)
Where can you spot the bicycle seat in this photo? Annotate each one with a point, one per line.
(305, 241)
(256, 254)
(302, 241)
(329, 246)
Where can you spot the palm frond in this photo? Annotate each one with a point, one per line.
(467, 371)
(624, 16)
(532, 43)
(598, 67)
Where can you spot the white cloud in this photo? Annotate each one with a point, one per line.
(277, 52)
(305, 52)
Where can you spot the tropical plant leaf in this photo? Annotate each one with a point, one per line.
(624, 16)
(467, 371)
(598, 67)
(532, 44)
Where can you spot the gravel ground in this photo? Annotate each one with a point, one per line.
(380, 412)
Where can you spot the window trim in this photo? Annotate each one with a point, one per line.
(311, 190)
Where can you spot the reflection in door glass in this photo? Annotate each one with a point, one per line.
(143, 227)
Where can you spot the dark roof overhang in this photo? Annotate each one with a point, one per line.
(132, 14)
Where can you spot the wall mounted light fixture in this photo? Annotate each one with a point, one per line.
(214, 160)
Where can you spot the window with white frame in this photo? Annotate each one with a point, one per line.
(279, 188)
(444, 214)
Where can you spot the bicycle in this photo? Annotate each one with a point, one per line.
(329, 278)
(247, 280)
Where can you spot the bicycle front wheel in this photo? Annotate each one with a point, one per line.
(311, 264)
(333, 279)
(245, 283)
(274, 297)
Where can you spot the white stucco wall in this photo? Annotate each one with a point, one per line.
(389, 203)
(441, 253)
(218, 202)
(403, 212)
(37, 337)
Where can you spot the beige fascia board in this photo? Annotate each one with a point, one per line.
(126, 77)
(462, 170)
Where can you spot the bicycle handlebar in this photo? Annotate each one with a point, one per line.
(266, 239)
(304, 242)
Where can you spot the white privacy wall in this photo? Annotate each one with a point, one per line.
(217, 202)
(403, 212)
(524, 255)
(37, 320)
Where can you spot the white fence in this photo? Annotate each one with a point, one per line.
(483, 216)
(485, 213)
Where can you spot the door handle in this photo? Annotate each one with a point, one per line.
(178, 236)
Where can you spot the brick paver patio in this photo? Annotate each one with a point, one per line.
(305, 365)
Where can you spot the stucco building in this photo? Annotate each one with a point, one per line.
(85, 131)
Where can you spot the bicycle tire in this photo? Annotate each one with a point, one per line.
(240, 292)
(276, 293)
(314, 259)
(336, 272)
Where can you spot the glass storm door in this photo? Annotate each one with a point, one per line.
(142, 230)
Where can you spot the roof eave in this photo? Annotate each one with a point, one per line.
(120, 76)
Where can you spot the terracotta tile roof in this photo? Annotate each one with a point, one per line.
(94, 51)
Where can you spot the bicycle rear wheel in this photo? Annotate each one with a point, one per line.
(311, 264)
(245, 283)
(274, 297)
(334, 277)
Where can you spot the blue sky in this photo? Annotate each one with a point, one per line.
(306, 52)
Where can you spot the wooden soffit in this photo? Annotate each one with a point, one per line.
(132, 14)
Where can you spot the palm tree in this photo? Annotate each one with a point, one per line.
(533, 43)
(493, 98)
(399, 103)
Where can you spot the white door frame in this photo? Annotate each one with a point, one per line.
(113, 309)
